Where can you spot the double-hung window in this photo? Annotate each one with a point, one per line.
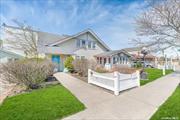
(78, 44)
(89, 44)
(83, 43)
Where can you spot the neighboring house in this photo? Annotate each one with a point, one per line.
(6, 56)
(114, 57)
(42, 38)
(135, 52)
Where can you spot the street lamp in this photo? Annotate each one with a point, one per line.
(144, 74)
(144, 51)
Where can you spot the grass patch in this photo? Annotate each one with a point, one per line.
(44, 104)
(153, 74)
(170, 110)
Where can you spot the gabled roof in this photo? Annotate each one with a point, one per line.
(133, 49)
(49, 38)
(41, 34)
(61, 38)
(78, 34)
(111, 53)
(10, 53)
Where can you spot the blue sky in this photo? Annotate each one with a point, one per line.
(112, 20)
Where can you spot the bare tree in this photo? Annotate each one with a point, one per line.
(22, 38)
(160, 24)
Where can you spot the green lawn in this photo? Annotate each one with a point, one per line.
(153, 74)
(44, 104)
(170, 110)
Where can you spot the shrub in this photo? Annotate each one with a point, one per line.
(101, 69)
(124, 70)
(69, 64)
(81, 66)
(27, 72)
(138, 64)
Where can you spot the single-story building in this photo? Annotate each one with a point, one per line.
(114, 57)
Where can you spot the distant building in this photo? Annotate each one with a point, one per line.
(6, 56)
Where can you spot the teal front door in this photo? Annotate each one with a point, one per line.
(56, 60)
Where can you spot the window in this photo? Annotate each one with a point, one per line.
(78, 43)
(123, 60)
(83, 42)
(82, 57)
(114, 60)
(104, 61)
(100, 60)
(94, 45)
(77, 57)
(86, 43)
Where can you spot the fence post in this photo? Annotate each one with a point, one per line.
(89, 75)
(138, 77)
(174, 68)
(164, 72)
(116, 83)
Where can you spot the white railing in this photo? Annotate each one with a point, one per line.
(166, 67)
(115, 82)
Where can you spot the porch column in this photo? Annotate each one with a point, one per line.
(102, 60)
(98, 60)
(127, 61)
(111, 58)
(118, 60)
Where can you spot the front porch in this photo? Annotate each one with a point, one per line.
(114, 58)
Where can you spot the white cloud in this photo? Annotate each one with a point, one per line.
(114, 23)
(121, 29)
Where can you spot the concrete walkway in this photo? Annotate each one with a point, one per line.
(138, 103)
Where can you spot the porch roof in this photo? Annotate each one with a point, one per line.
(113, 52)
(54, 50)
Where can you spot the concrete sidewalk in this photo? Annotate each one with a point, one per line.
(137, 103)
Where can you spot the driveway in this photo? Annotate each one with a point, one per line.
(137, 103)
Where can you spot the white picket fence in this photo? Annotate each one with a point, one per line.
(115, 82)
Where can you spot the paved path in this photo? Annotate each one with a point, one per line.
(138, 103)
